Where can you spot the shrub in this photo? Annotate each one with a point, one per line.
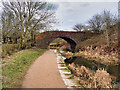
(8, 49)
(71, 67)
(28, 45)
(100, 79)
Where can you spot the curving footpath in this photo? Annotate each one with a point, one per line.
(44, 73)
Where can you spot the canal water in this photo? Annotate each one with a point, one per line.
(93, 65)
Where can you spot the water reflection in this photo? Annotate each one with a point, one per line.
(92, 65)
(61, 51)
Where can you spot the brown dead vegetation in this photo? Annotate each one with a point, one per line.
(99, 79)
(105, 55)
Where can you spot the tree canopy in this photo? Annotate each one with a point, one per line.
(21, 21)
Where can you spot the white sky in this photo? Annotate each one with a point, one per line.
(71, 12)
(0, 4)
(68, 0)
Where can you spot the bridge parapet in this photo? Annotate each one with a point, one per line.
(73, 38)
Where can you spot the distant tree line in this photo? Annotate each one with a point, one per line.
(22, 21)
(104, 23)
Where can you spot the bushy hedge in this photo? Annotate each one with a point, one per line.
(8, 49)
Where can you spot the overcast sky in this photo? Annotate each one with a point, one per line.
(71, 13)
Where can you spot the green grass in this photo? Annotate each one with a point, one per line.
(17, 67)
(60, 63)
(68, 74)
(9, 49)
(63, 65)
(72, 77)
(66, 69)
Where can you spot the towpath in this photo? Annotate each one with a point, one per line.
(44, 73)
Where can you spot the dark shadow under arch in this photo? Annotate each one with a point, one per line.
(70, 41)
(44, 43)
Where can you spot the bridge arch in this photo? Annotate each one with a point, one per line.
(44, 42)
(73, 38)
(70, 41)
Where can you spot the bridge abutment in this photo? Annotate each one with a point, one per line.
(73, 38)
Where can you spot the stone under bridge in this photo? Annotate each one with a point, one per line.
(73, 38)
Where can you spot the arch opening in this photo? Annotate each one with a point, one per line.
(44, 43)
(70, 41)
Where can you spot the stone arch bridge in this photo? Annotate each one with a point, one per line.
(73, 38)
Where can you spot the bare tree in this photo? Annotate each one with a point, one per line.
(7, 20)
(108, 20)
(96, 23)
(78, 27)
(29, 18)
(103, 22)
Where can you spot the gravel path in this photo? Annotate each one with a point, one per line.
(44, 73)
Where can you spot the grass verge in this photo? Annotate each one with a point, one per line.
(14, 71)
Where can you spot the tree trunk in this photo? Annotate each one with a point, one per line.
(107, 37)
(32, 38)
(15, 41)
(21, 43)
(4, 40)
(10, 40)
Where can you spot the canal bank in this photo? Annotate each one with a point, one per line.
(93, 66)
